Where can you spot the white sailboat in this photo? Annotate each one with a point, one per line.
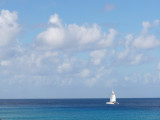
(112, 99)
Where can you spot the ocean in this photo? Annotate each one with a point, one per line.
(80, 109)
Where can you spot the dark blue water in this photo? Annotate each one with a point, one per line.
(79, 109)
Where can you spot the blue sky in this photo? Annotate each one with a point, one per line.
(79, 49)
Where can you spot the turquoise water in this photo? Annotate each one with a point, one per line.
(79, 109)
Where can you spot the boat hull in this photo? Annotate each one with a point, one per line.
(112, 103)
(109, 103)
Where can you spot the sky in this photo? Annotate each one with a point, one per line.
(79, 48)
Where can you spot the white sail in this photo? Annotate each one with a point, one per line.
(113, 97)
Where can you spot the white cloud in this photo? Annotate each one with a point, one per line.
(111, 83)
(108, 39)
(54, 65)
(137, 59)
(8, 27)
(73, 36)
(91, 82)
(97, 56)
(85, 73)
(101, 72)
(127, 44)
(123, 54)
(54, 19)
(97, 76)
(37, 58)
(84, 33)
(134, 78)
(65, 67)
(129, 39)
(146, 40)
(148, 25)
(52, 38)
(144, 78)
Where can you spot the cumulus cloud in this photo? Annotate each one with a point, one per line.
(134, 77)
(127, 45)
(65, 67)
(129, 39)
(108, 39)
(54, 36)
(51, 64)
(72, 36)
(55, 20)
(97, 56)
(146, 40)
(9, 31)
(148, 25)
(132, 45)
(145, 78)
(9, 28)
(97, 76)
(85, 73)
(123, 54)
(91, 82)
(137, 59)
(111, 83)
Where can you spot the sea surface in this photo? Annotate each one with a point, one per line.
(79, 109)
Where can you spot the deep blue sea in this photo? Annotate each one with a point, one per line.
(79, 109)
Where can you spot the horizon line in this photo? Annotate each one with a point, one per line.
(80, 98)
